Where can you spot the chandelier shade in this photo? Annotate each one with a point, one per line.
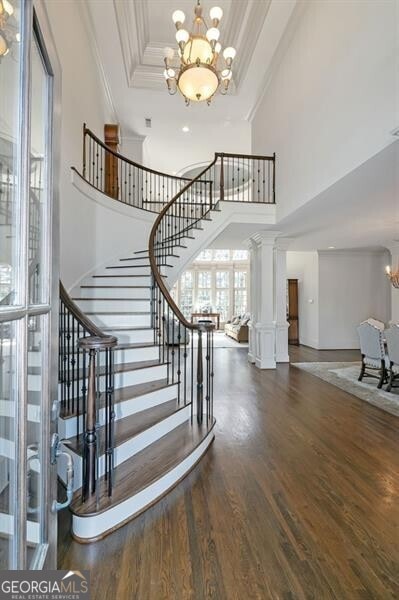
(199, 76)
(198, 83)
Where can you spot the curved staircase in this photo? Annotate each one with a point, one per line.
(136, 378)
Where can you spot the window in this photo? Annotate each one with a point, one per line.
(221, 255)
(240, 292)
(240, 255)
(216, 283)
(205, 255)
(187, 293)
(204, 296)
(222, 294)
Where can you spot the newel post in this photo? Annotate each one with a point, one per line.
(93, 346)
(111, 139)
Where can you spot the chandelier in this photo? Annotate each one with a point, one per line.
(199, 75)
(393, 276)
(7, 33)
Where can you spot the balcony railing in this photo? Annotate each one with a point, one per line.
(235, 177)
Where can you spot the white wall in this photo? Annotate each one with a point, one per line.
(352, 287)
(304, 266)
(346, 287)
(131, 146)
(331, 102)
(168, 149)
(83, 100)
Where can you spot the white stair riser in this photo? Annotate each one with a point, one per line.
(135, 354)
(67, 427)
(88, 527)
(124, 320)
(119, 280)
(130, 447)
(115, 292)
(127, 305)
(132, 337)
(132, 377)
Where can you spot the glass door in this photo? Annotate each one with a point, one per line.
(27, 380)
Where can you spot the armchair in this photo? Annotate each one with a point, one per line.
(373, 352)
(392, 336)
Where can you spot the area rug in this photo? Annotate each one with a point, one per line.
(221, 340)
(344, 376)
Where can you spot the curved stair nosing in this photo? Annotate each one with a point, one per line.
(94, 527)
(128, 448)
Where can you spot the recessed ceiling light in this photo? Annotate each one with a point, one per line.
(331, 247)
(185, 129)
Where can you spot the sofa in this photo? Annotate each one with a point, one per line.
(237, 328)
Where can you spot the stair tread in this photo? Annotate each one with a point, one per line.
(141, 258)
(149, 465)
(137, 365)
(128, 346)
(121, 312)
(118, 287)
(122, 328)
(97, 276)
(112, 299)
(129, 427)
(119, 367)
(128, 392)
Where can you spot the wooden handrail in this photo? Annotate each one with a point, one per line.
(79, 315)
(154, 268)
(87, 131)
(249, 156)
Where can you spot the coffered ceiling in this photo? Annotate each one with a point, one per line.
(145, 27)
(128, 37)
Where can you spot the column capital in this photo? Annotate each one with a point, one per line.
(265, 238)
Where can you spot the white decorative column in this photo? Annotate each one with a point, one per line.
(265, 327)
(394, 249)
(253, 309)
(280, 314)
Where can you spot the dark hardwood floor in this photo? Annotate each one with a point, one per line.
(298, 498)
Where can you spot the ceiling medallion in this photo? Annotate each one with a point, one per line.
(199, 75)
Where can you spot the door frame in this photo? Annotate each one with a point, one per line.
(35, 22)
(48, 559)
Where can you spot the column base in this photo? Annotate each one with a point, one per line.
(265, 335)
(282, 355)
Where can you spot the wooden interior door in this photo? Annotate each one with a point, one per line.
(293, 318)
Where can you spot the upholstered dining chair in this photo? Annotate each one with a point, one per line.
(373, 352)
(392, 337)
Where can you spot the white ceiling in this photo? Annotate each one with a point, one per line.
(361, 210)
(130, 35)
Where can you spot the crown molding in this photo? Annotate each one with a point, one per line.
(143, 60)
(278, 55)
(248, 36)
(89, 27)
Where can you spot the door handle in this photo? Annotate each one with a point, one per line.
(34, 456)
(56, 452)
